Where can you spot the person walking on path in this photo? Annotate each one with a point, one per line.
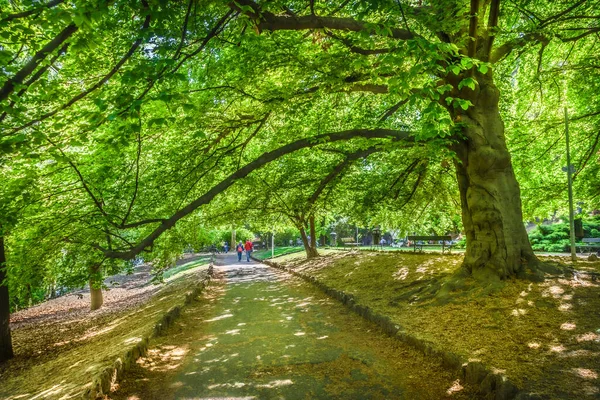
(240, 249)
(249, 248)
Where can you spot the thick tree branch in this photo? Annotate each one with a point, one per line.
(37, 10)
(491, 27)
(21, 75)
(358, 50)
(97, 85)
(473, 28)
(38, 74)
(267, 21)
(511, 45)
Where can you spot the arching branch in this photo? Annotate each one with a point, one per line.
(241, 173)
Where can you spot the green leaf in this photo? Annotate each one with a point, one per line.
(468, 82)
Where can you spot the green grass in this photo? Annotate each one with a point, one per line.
(185, 267)
(279, 251)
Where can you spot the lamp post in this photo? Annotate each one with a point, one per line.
(570, 185)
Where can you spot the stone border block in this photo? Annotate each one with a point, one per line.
(103, 379)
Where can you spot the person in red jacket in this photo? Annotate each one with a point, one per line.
(249, 247)
(240, 249)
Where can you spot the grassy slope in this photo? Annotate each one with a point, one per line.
(68, 373)
(279, 251)
(545, 337)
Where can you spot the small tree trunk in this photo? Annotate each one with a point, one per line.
(96, 299)
(311, 252)
(313, 232)
(497, 242)
(6, 349)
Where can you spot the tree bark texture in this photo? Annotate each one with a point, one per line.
(6, 350)
(311, 252)
(96, 299)
(313, 232)
(497, 242)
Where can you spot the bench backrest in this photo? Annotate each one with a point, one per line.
(348, 240)
(413, 238)
(590, 240)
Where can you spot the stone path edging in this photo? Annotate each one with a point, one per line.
(491, 385)
(106, 377)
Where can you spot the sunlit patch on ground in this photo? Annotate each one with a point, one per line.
(588, 337)
(585, 373)
(164, 358)
(220, 317)
(401, 274)
(568, 326)
(456, 387)
(565, 307)
(559, 348)
(227, 385)
(276, 383)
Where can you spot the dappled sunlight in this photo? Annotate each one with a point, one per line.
(455, 388)
(53, 391)
(276, 383)
(585, 373)
(401, 274)
(132, 340)
(565, 307)
(164, 358)
(559, 348)
(589, 337)
(533, 345)
(568, 326)
(235, 385)
(220, 317)
(518, 312)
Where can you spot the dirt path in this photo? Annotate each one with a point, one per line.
(263, 334)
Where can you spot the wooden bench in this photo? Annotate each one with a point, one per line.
(425, 239)
(587, 247)
(349, 241)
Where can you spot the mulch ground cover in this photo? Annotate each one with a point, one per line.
(57, 343)
(545, 336)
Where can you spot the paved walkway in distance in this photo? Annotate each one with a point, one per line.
(265, 334)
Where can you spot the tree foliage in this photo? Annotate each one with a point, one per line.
(123, 123)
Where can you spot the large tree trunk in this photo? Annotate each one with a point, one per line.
(311, 252)
(497, 242)
(6, 350)
(96, 299)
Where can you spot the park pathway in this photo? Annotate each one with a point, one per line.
(269, 335)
